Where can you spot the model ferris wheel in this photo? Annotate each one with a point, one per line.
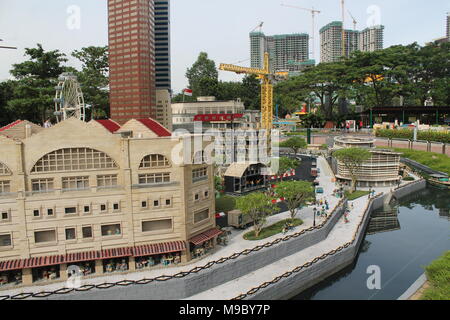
(69, 100)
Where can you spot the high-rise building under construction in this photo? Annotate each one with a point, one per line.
(367, 40)
(283, 50)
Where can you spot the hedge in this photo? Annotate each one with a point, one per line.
(434, 136)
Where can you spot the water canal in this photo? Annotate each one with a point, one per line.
(401, 239)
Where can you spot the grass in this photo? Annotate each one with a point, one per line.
(438, 274)
(436, 161)
(355, 195)
(225, 204)
(271, 230)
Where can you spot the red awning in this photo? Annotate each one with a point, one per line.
(80, 256)
(115, 253)
(205, 236)
(11, 265)
(159, 248)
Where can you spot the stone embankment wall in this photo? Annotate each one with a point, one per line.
(331, 263)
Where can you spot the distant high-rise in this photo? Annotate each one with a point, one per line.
(371, 39)
(131, 59)
(162, 44)
(367, 40)
(283, 49)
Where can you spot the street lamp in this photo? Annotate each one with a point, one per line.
(315, 211)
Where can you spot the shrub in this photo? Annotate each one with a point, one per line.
(408, 178)
(443, 137)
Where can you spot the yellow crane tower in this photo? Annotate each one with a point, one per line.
(266, 89)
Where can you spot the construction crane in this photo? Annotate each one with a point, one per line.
(5, 47)
(313, 32)
(343, 27)
(259, 26)
(354, 20)
(266, 89)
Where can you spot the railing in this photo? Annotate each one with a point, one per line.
(182, 274)
(155, 185)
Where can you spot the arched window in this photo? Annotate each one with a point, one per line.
(4, 170)
(154, 161)
(74, 159)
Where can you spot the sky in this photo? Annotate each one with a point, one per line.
(218, 27)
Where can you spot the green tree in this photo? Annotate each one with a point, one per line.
(203, 75)
(94, 79)
(295, 144)
(352, 159)
(258, 206)
(36, 79)
(6, 93)
(295, 194)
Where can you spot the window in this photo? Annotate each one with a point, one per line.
(206, 194)
(168, 202)
(154, 161)
(44, 236)
(106, 181)
(5, 240)
(71, 234)
(75, 183)
(116, 206)
(156, 203)
(156, 225)
(103, 207)
(196, 197)
(74, 159)
(5, 216)
(5, 187)
(42, 185)
(144, 204)
(111, 230)
(87, 232)
(201, 216)
(36, 213)
(87, 209)
(50, 212)
(154, 178)
(4, 170)
(70, 210)
(199, 174)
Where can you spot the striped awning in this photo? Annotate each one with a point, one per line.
(11, 265)
(115, 253)
(205, 236)
(159, 248)
(80, 257)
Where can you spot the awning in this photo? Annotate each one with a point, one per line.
(11, 265)
(205, 236)
(237, 169)
(80, 257)
(115, 253)
(159, 248)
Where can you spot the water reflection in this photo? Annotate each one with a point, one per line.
(401, 238)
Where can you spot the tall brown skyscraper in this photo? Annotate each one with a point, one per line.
(132, 59)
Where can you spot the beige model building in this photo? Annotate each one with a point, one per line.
(102, 197)
(382, 169)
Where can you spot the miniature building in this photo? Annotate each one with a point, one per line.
(241, 178)
(382, 169)
(101, 196)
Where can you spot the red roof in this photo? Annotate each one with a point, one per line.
(157, 128)
(218, 117)
(109, 125)
(205, 236)
(9, 126)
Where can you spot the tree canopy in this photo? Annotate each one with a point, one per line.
(295, 194)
